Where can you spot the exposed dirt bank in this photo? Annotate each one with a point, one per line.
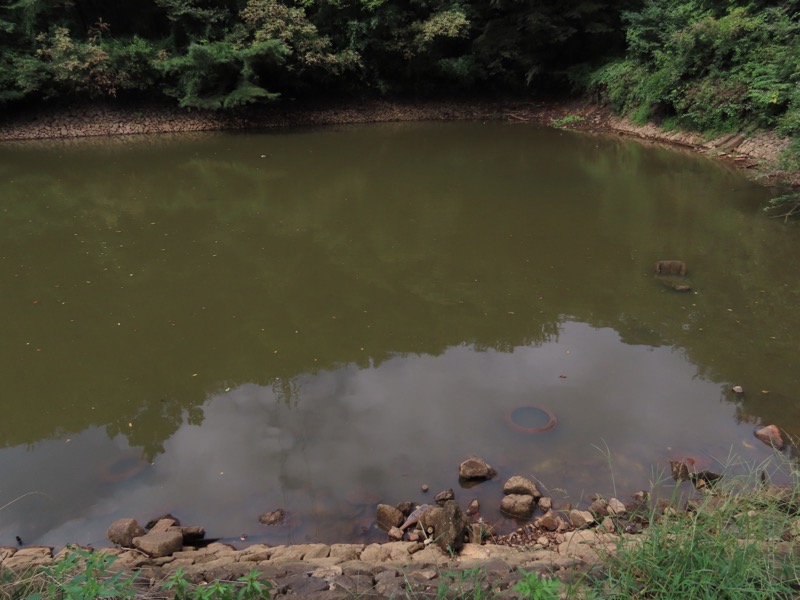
(758, 152)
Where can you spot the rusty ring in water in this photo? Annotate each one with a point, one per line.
(552, 420)
(113, 470)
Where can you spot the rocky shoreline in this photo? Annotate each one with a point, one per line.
(437, 550)
(757, 152)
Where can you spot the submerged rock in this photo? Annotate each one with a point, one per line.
(276, 517)
(671, 267)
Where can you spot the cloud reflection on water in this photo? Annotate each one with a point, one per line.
(351, 437)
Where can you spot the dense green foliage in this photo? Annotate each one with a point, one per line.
(709, 65)
(225, 54)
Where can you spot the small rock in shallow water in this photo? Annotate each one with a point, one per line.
(444, 496)
(737, 389)
(276, 517)
(476, 469)
(771, 436)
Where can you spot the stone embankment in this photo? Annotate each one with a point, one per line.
(393, 569)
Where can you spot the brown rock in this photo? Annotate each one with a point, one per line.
(581, 519)
(159, 544)
(396, 533)
(162, 526)
(518, 506)
(615, 507)
(151, 523)
(405, 508)
(444, 496)
(671, 267)
(476, 469)
(388, 517)
(473, 507)
(276, 517)
(122, 531)
(520, 485)
(449, 525)
(549, 521)
(771, 436)
(193, 533)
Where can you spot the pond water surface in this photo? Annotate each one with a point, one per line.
(318, 320)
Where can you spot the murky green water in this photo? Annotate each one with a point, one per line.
(223, 325)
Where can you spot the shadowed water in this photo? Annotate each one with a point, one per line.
(222, 325)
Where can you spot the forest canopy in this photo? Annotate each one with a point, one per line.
(713, 65)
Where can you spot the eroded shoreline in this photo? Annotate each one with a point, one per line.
(758, 153)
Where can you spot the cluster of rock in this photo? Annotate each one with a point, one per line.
(449, 527)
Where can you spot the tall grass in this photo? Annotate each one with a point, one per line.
(733, 543)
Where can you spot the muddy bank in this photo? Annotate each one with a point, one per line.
(758, 152)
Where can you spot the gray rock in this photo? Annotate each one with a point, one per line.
(518, 506)
(388, 517)
(476, 469)
(122, 532)
(545, 503)
(302, 585)
(520, 485)
(159, 544)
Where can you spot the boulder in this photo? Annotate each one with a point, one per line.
(159, 544)
(518, 506)
(476, 469)
(122, 531)
(771, 436)
(388, 517)
(449, 524)
(522, 486)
